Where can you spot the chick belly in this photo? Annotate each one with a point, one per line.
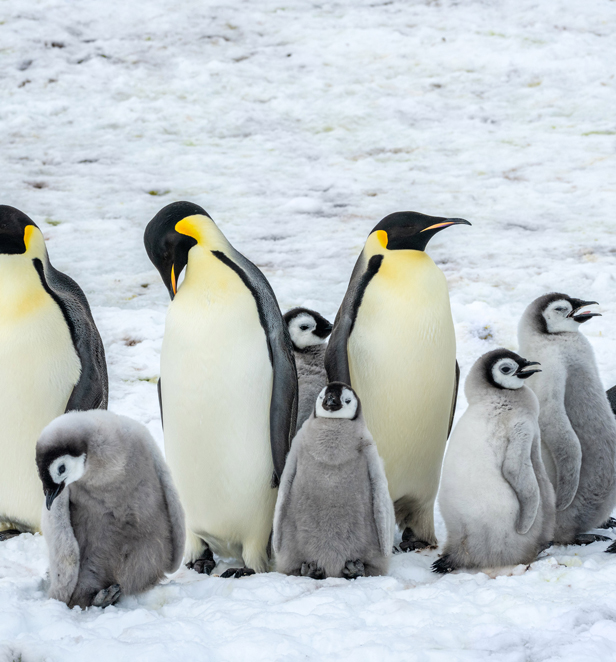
(216, 400)
(38, 370)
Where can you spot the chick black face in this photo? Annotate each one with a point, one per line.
(13, 230)
(409, 230)
(59, 466)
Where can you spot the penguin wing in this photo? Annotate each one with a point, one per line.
(91, 391)
(336, 355)
(283, 404)
(455, 398)
(284, 492)
(63, 548)
(382, 505)
(518, 471)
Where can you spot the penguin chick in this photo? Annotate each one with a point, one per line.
(334, 516)
(113, 520)
(308, 332)
(496, 498)
(578, 428)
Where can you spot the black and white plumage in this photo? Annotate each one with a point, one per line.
(334, 516)
(51, 361)
(578, 428)
(308, 330)
(496, 498)
(113, 522)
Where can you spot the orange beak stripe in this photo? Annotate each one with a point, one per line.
(173, 283)
(438, 225)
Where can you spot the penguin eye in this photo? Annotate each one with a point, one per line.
(61, 469)
(560, 309)
(304, 327)
(348, 402)
(506, 369)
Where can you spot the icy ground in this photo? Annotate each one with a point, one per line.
(298, 127)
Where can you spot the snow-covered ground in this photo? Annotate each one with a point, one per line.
(298, 126)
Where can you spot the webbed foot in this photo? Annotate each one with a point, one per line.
(587, 538)
(443, 565)
(609, 524)
(237, 573)
(312, 570)
(612, 548)
(8, 534)
(353, 570)
(410, 542)
(107, 596)
(204, 564)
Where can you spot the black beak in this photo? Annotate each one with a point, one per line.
(522, 373)
(331, 402)
(445, 223)
(584, 316)
(324, 330)
(50, 495)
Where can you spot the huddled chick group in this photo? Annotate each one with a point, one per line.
(526, 465)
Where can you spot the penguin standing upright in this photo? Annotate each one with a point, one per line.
(578, 428)
(496, 498)
(51, 361)
(394, 343)
(228, 388)
(308, 330)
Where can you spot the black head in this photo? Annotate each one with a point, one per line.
(307, 327)
(505, 369)
(13, 224)
(559, 313)
(409, 230)
(337, 400)
(166, 247)
(59, 465)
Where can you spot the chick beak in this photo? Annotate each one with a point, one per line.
(522, 373)
(580, 315)
(50, 495)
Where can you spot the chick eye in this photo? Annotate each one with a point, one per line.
(61, 469)
(348, 402)
(560, 310)
(506, 369)
(304, 327)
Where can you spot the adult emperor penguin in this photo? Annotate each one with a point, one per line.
(334, 516)
(578, 428)
(51, 361)
(496, 498)
(228, 388)
(308, 330)
(394, 343)
(113, 522)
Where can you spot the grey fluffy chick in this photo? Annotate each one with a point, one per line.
(308, 330)
(496, 498)
(334, 516)
(113, 522)
(578, 428)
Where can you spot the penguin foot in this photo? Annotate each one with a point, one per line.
(237, 573)
(410, 542)
(107, 596)
(612, 548)
(204, 564)
(443, 565)
(610, 524)
(353, 570)
(8, 534)
(312, 570)
(587, 538)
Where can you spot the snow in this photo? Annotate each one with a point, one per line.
(298, 126)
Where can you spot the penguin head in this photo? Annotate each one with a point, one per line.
(560, 313)
(20, 235)
(409, 230)
(337, 400)
(504, 369)
(171, 234)
(307, 327)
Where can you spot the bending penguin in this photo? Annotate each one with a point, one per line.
(113, 523)
(51, 361)
(578, 428)
(228, 388)
(308, 332)
(334, 516)
(496, 498)
(394, 342)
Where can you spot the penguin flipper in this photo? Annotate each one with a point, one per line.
(92, 389)
(455, 398)
(518, 471)
(382, 506)
(336, 355)
(282, 502)
(159, 387)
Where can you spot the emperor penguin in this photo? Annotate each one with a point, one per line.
(308, 330)
(113, 522)
(393, 341)
(496, 498)
(51, 361)
(334, 516)
(228, 388)
(578, 427)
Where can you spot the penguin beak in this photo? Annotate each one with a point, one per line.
(324, 330)
(584, 315)
(437, 227)
(50, 495)
(522, 373)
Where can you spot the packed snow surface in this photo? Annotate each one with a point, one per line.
(298, 127)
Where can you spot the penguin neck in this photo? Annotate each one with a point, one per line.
(22, 292)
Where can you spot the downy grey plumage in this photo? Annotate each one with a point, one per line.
(334, 516)
(113, 521)
(578, 428)
(496, 498)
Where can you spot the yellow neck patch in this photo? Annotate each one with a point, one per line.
(28, 232)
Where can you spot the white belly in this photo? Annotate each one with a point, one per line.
(216, 391)
(38, 370)
(402, 355)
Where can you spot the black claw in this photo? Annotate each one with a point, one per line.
(443, 565)
(204, 564)
(237, 573)
(612, 548)
(413, 545)
(609, 524)
(312, 570)
(353, 569)
(588, 538)
(8, 534)
(107, 596)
